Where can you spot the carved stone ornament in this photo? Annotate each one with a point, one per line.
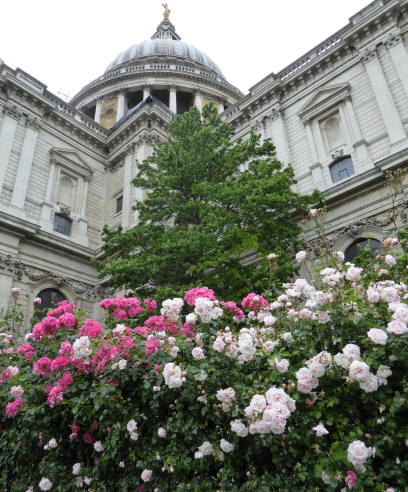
(368, 54)
(336, 154)
(34, 123)
(355, 230)
(12, 111)
(18, 269)
(64, 210)
(392, 40)
(274, 114)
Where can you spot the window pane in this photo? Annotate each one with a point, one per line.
(341, 169)
(119, 203)
(62, 224)
(355, 248)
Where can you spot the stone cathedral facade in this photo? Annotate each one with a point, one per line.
(339, 114)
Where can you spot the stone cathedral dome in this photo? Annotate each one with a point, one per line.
(166, 48)
(164, 67)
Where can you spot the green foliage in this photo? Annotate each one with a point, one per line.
(212, 206)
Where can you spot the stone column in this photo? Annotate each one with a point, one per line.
(173, 99)
(47, 206)
(258, 127)
(220, 107)
(359, 144)
(399, 57)
(310, 141)
(279, 136)
(25, 163)
(198, 102)
(98, 110)
(121, 106)
(127, 186)
(7, 132)
(383, 96)
(316, 167)
(146, 92)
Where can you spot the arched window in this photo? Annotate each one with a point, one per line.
(333, 133)
(62, 224)
(361, 243)
(341, 169)
(49, 300)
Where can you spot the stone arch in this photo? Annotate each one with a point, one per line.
(45, 284)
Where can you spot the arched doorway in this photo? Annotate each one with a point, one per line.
(355, 248)
(49, 300)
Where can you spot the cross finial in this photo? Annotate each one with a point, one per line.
(166, 12)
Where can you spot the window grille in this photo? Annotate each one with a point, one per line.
(355, 248)
(62, 224)
(341, 169)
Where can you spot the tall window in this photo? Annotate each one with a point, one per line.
(62, 224)
(341, 169)
(355, 248)
(119, 204)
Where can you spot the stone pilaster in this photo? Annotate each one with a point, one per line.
(7, 133)
(121, 105)
(383, 95)
(173, 99)
(399, 57)
(25, 163)
(127, 186)
(279, 135)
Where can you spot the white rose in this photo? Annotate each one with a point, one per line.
(131, 425)
(226, 446)
(76, 468)
(45, 484)
(146, 475)
(206, 448)
(359, 370)
(98, 446)
(258, 403)
(357, 453)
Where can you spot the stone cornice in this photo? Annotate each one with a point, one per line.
(135, 72)
(340, 46)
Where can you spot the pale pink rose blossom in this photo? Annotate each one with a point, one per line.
(16, 391)
(146, 475)
(218, 344)
(161, 432)
(15, 290)
(320, 430)
(281, 365)
(226, 446)
(37, 300)
(377, 336)
(357, 453)
(45, 484)
(354, 273)
(271, 256)
(313, 212)
(397, 327)
(198, 353)
(359, 370)
(370, 383)
(300, 256)
(390, 260)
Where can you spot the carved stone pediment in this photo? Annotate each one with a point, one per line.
(324, 99)
(72, 161)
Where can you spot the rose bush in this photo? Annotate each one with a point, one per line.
(307, 391)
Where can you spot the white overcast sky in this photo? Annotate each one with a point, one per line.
(66, 44)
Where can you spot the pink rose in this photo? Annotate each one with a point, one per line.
(16, 391)
(351, 479)
(313, 212)
(354, 274)
(390, 260)
(198, 353)
(377, 336)
(300, 256)
(15, 290)
(397, 327)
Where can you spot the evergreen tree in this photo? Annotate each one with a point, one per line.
(214, 210)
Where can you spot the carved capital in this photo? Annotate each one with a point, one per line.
(34, 123)
(392, 40)
(12, 111)
(275, 114)
(368, 54)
